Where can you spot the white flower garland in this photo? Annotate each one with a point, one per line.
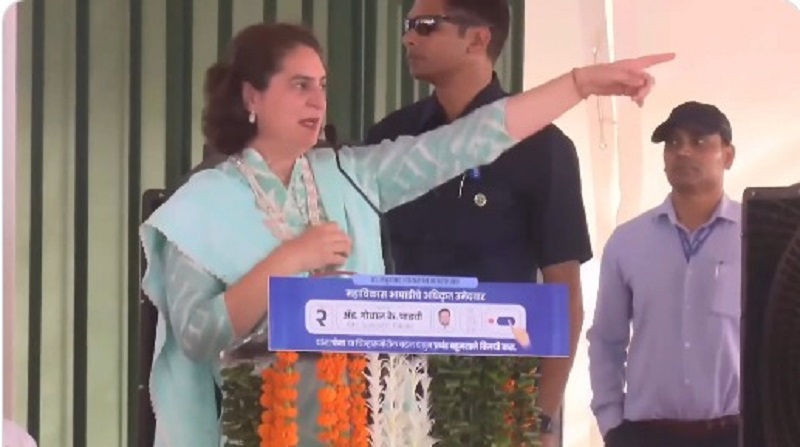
(399, 417)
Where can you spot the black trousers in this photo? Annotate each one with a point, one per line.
(633, 434)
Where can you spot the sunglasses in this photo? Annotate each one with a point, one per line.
(426, 25)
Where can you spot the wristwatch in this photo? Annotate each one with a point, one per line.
(545, 424)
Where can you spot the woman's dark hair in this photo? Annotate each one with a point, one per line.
(254, 56)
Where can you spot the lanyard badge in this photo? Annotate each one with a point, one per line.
(692, 246)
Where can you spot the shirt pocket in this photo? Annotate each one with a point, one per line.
(726, 300)
(486, 216)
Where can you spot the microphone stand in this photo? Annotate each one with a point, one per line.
(386, 245)
(388, 260)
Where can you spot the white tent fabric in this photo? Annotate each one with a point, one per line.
(742, 55)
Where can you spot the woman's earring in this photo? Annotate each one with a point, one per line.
(252, 117)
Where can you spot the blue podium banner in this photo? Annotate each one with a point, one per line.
(418, 315)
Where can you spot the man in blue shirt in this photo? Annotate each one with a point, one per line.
(673, 274)
(507, 221)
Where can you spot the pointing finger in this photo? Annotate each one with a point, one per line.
(640, 63)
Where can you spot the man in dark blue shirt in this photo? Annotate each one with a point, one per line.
(506, 221)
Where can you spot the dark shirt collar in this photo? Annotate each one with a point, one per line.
(433, 114)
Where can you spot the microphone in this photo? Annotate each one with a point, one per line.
(388, 259)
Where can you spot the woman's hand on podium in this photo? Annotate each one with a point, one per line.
(319, 247)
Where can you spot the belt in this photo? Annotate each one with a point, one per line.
(704, 429)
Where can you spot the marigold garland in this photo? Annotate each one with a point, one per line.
(333, 401)
(343, 409)
(278, 426)
(265, 432)
(359, 434)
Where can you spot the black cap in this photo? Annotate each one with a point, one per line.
(696, 118)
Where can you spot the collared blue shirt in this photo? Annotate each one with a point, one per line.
(665, 339)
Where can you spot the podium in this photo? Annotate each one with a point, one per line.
(541, 311)
(372, 336)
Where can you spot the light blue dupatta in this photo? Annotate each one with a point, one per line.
(213, 220)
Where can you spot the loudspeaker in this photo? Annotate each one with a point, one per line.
(770, 337)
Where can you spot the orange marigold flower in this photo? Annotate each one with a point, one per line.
(326, 395)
